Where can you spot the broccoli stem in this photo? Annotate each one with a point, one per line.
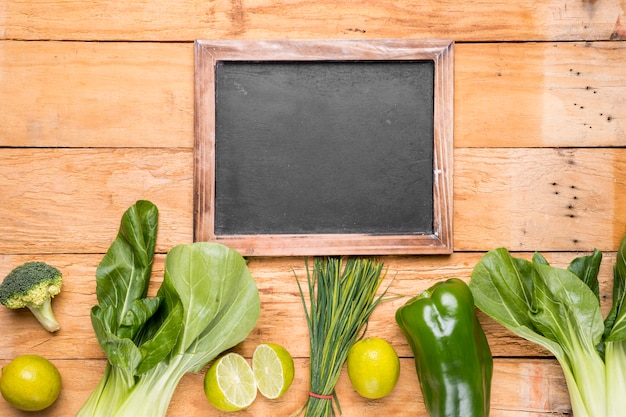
(44, 314)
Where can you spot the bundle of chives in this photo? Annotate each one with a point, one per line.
(341, 301)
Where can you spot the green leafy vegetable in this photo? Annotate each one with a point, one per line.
(559, 309)
(207, 303)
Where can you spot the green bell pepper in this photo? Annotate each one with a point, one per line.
(452, 356)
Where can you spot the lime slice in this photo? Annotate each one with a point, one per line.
(273, 369)
(229, 383)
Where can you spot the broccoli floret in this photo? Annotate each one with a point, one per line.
(33, 285)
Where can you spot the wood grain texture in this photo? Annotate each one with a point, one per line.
(53, 196)
(96, 111)
(522, 387)
(124, 94)
(555, 199)
(282, 317)
(490, 20)
(546, 199)
(530, 388)
(535, 95)
(96, 95)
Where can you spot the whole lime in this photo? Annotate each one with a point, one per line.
(30, 383)
(373, 367)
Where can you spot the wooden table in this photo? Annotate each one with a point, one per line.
(88, 127)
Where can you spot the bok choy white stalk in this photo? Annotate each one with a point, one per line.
(559, 309)
(207, 303)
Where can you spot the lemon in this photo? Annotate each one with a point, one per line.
(229, 383)
(30, 383)
(273, 369)
(373, 367)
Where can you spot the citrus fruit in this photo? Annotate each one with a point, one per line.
(30, 383)
(229, 383)
(273, 369)
(373, 367)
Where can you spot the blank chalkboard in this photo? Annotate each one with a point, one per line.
(324, 147)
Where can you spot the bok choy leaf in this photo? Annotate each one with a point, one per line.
(559, 309)
(208, 302)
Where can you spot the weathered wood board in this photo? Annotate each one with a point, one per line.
(282, 317)
(536, 384)
(546, 199)
(162, 20)
(125, 94)
(97, 111)
(522, 387)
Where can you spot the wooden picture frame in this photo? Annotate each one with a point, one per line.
(241, 56)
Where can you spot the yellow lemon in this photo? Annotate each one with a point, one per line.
(373, 367)
(273, 369)
(30, 383)
(229, 383)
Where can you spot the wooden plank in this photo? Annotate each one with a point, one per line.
(266, 19)
(96, 95)
(530, 388)
(521, 387)
(524, 387)
(123, 111)
(141, 94)
(539, 199)
(558, 94)
(282, 317)
(71, 200)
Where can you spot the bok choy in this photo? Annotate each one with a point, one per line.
(560, 310)
(207, 303)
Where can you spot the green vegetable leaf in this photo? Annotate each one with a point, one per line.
(208, 302)
(219, 296)
(553, 308)
(160, 342)
(123, 275)
(615, 323)
(502, 288)
(587, 268)
(539, 259)
(563, 301)
(138, 314)
(121, 352)
(122, 280)
(568, 313)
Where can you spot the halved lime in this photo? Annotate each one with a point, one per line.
(229, 383)
(273, 369)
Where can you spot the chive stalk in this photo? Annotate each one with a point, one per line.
(342, 296)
